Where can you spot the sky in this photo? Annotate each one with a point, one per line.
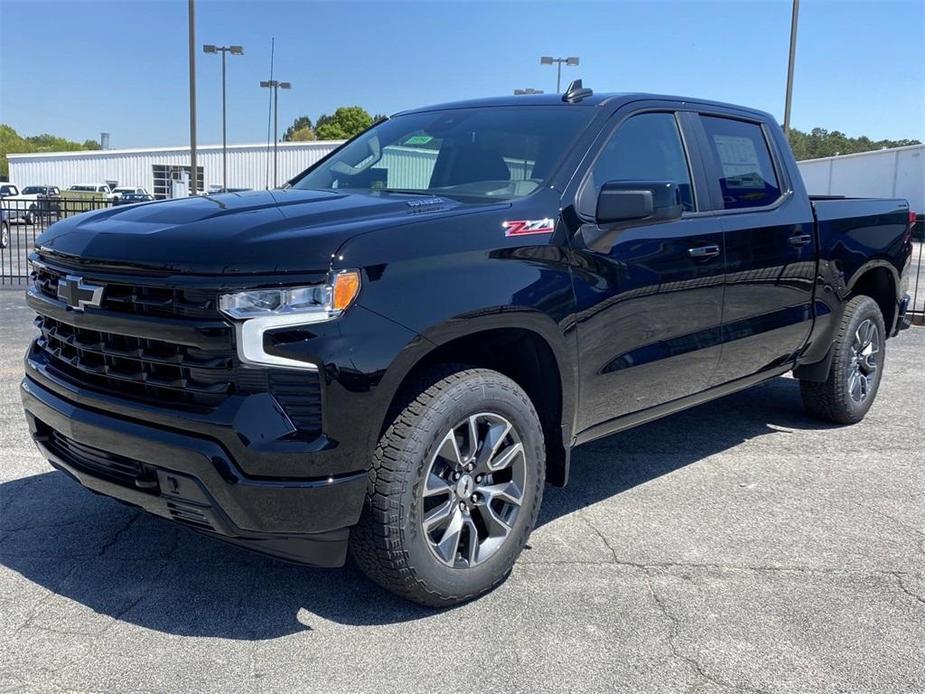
(77, 68)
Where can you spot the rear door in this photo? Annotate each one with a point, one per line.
(769, 242)
(649, 309)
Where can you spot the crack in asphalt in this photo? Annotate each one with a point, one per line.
(674, 635)
(908, 591)
(675, 630)
(38, 607)
(116, 535)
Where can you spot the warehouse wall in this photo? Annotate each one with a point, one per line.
(885, 173)
(247, 165)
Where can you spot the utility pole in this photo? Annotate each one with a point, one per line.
(234, 50)
(275, 85)
(793, 53)
(549, 60)
(192, 98)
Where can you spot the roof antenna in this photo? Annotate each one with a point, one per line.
(575, 92)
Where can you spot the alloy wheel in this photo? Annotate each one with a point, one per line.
(865, 355)
(473, 490)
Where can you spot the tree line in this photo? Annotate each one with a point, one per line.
(12, 142)
(819, 142)
(343, 124)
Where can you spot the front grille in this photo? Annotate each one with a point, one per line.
(137, 299)
(99, 463)
(164, 372)
(139, 368)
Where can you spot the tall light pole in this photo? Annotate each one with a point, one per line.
(275, 85)
(549, 60)
(234, 50)
(192, 97)
(793, 54)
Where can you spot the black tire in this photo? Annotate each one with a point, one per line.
(4, 235)
(837, 399)
(390, 543)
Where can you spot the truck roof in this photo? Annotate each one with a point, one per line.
(609, 98)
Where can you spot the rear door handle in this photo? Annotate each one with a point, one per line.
(800, 240)
(704, 251)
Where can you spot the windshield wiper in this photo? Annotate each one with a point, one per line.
(403, 191)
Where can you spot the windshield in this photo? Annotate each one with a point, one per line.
(33, 190)
(488, 153)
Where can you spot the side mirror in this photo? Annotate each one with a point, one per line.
(630, 201)
(621, 204)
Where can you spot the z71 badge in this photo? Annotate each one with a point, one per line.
(521, 227)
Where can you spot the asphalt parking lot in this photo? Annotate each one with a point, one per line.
(737, 546)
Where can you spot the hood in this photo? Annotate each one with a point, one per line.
(236, 233)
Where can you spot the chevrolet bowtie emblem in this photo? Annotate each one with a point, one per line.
(77, 295)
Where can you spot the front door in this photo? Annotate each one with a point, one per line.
(649, 310)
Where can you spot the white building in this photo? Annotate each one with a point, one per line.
(883, 173)
(158, 169)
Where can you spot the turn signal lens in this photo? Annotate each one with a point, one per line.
(346, 288)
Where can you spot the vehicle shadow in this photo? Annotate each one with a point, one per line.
(136, 568)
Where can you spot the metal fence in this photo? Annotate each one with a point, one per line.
(23, 220)
(916, 287)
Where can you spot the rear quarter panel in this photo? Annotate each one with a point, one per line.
(856, 235)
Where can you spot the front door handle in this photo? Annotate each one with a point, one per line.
(701, 252)
(800, 240)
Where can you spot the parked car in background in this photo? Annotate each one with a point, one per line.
(4, 229)
(396, 361)
(87, 196)
(119, 191)
(9, 201)
(90, 190)
(132, 197)
(40, 202)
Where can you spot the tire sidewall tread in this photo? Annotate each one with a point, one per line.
(830, 400)
(388, 544)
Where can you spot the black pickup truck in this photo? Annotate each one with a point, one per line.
(395, 352)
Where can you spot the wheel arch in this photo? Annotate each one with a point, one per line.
(533, 356)
(878, 279)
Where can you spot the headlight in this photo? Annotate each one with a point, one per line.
(259, 310)
(313, 300)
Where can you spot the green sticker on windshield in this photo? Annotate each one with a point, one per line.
(418, 140)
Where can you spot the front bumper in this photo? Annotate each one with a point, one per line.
(192, 479)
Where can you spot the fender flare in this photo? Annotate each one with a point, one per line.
(560, 342)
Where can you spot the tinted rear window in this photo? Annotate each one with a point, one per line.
(747, 177)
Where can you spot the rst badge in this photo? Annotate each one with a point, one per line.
(522, 227)
(77, 295)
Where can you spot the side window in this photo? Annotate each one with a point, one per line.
(646, 147)
(747, 177)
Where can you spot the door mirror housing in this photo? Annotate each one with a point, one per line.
(621, 204)
(638, 201)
